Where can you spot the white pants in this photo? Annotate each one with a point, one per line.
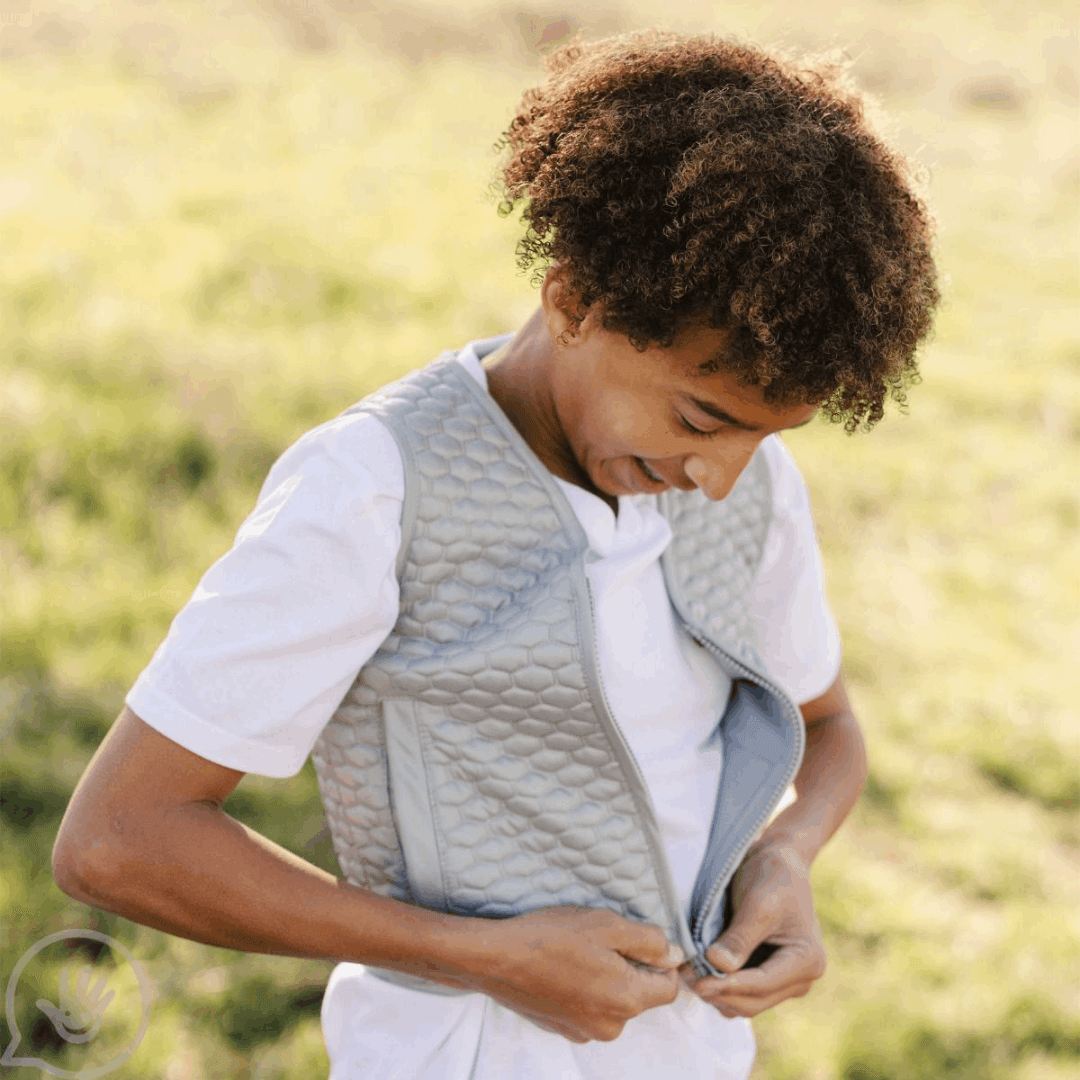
(375, 1030)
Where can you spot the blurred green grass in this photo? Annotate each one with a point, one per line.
(220, 230)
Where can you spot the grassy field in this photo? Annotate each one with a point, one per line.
(220, 229)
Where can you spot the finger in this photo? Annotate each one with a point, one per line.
(647, 945)
(717, 990)
(670, 967)
(647, 987)
(689, 975)
(790, 965)
(658, 988)
(643, 987)
(753, 1006)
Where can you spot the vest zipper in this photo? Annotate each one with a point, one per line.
(740, 851)
(672, 901)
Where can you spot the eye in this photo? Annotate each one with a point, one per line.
(687, 426)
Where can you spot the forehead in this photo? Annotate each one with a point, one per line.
(699, 347)
(697, 370)
(722, 391)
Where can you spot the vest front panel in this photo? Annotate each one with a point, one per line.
(474, 766)
(470, 768)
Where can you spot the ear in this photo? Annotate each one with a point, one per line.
(560, 306)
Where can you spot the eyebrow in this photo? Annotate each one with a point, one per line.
(717, 413)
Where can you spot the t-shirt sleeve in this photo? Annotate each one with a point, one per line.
(258, 660)
(790, 618)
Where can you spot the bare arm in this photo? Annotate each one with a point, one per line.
(145, 836)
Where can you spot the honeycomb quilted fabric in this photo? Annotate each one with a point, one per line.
(473, 766)
(713, 557)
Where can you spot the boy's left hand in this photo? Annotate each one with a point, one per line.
(772, 901)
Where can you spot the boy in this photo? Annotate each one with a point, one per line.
(548, 614)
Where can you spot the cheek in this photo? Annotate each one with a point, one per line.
(623, 421)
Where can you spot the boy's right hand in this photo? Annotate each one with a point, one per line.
(580, 972)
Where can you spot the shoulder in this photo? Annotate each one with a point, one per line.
(789, 494)
(791, 541)
(354, 452)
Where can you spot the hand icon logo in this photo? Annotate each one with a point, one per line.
(104, 1006)
(81, 1008)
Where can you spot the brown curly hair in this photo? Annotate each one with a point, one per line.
(696, 178)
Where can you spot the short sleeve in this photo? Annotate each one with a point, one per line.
(256, 663)
(792, 625)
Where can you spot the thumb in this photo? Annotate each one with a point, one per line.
(51, 1011)
(646, 945)
(732, 949)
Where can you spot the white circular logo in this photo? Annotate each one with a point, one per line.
(102, 1004)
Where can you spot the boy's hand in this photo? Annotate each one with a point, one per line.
(772, 902)
(580, 972)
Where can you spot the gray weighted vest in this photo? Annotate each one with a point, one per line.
(474, 766)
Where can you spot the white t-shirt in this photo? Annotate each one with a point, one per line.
(256, 663)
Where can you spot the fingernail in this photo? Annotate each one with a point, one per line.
(675, 955)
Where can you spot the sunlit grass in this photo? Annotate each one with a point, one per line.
(208, 255)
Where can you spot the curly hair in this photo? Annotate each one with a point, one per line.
(695, 178)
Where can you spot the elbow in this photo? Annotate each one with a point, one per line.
(106, 873)
(83, 880)
(79, 869)
(70, 871)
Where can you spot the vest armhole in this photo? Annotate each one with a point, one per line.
(411, 499)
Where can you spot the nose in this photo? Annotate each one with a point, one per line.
(715, 477)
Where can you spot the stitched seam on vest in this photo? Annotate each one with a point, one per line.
(585, 650)
(646, 812)
(436, 827)
(412, 799)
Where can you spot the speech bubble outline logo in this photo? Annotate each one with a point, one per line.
(85, 1004)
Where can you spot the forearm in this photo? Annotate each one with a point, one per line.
(828, 785)
(214, 880)
(198, 873)
(145, 836)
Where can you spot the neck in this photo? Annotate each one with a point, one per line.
(520, 379)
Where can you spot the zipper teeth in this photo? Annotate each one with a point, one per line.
(736, 858)
(674, 905)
